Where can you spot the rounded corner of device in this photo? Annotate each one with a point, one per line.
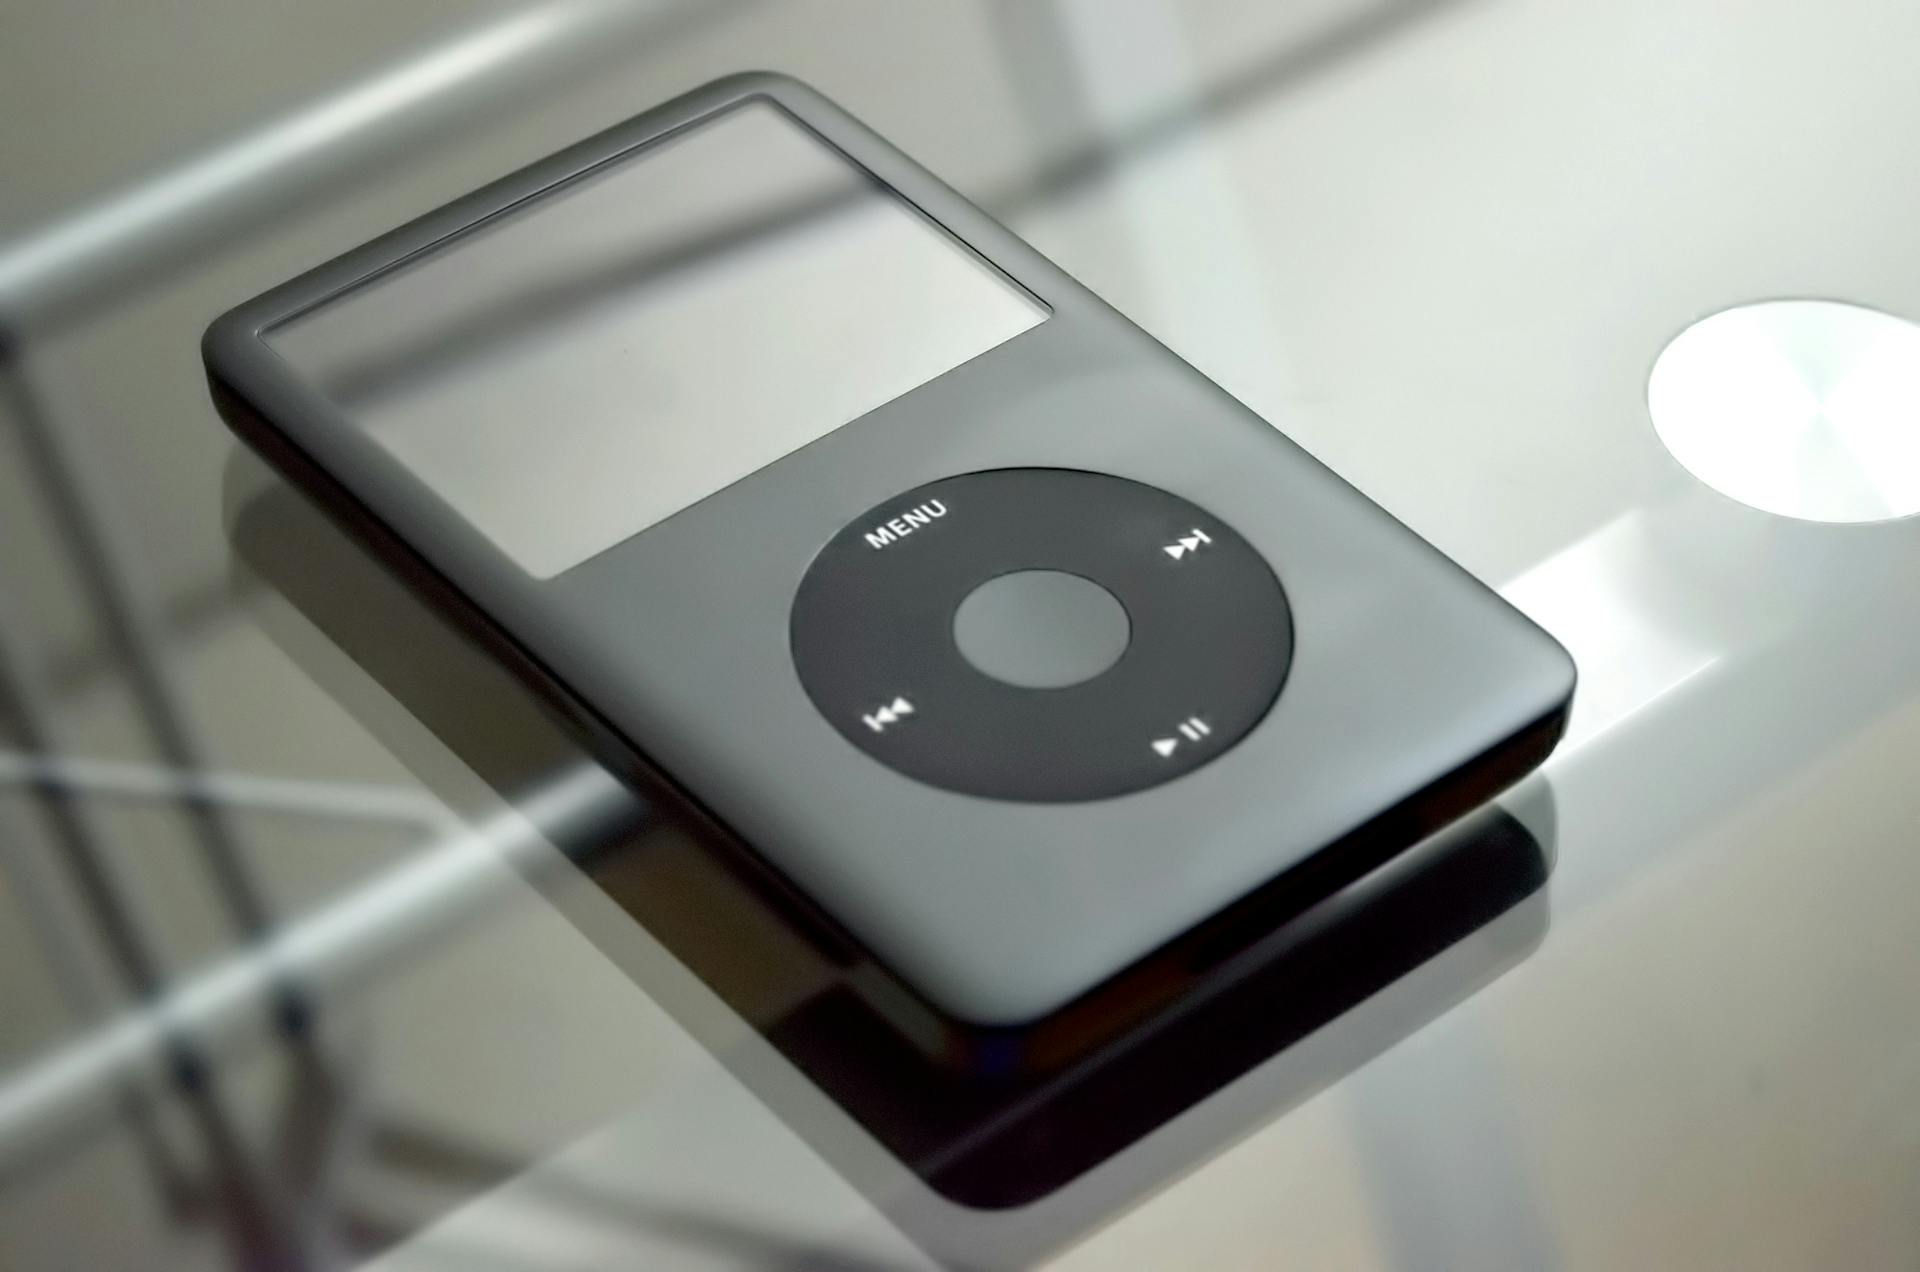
(759, 81)
(1562, 673)
(1535, 743)
(995, 994)
(229, 339)
(1550, 671)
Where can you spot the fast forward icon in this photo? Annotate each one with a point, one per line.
(1188, 542)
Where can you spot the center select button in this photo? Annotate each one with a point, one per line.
(1041, 629)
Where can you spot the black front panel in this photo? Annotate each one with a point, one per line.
(680, 643)
(1206, 637)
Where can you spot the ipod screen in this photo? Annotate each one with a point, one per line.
(586, 364)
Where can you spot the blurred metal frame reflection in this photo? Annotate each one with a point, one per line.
(81, 264)
(54, 277)
(163, 223)
(116, 781)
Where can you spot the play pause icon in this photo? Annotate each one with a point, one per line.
(1193, 728)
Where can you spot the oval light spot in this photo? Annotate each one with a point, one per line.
(1804, 408)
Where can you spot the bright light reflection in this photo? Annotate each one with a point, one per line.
(1805, 408)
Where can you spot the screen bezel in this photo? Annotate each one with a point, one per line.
(245, 366)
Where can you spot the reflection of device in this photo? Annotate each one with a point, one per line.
(1252, 981)
(955, 596)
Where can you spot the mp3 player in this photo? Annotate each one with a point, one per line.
(1012, 643)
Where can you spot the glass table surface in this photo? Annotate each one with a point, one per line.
(303, 962)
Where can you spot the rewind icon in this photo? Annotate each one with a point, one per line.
(888, 714)
(1189, 542)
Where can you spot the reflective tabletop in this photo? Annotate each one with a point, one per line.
(321, 946)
